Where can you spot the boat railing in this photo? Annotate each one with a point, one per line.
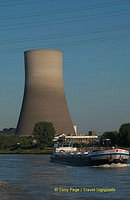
(97, 148)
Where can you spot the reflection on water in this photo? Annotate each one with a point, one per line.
(33, 177)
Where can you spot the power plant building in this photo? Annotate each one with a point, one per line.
(44, 97)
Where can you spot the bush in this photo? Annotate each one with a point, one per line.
(13, 142)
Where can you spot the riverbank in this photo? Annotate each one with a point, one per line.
(26, 151)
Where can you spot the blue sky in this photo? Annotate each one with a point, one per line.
(95, 39)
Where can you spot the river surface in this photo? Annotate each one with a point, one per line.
(34, 177)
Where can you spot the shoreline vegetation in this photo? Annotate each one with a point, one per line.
(41, 140)
(26, 151)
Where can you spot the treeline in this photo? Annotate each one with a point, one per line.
(43, 134)
(121, 138)
(13, 142)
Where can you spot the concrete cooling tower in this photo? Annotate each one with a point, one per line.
(44, 97)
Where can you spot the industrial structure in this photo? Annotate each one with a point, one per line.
(44, 98)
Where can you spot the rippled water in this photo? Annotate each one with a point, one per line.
(33, 177)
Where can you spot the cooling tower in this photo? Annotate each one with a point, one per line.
(44, 97)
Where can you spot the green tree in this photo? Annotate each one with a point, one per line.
(112, 135)
(44, 133)
(124, 135)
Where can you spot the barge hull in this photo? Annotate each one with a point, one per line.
(79, 161)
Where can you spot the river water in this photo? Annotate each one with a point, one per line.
(34, 177)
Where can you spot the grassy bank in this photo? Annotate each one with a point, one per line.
(26, 151)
